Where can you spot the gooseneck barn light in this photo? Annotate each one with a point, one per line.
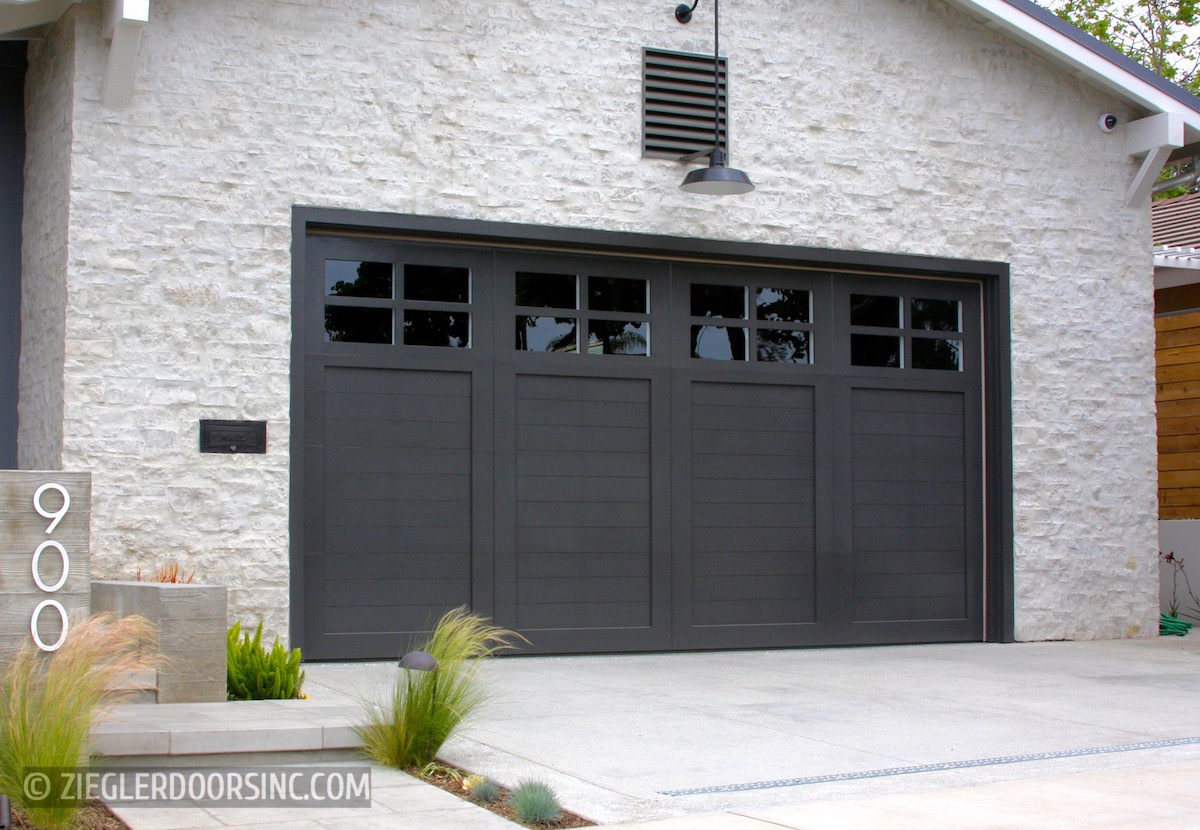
(717, 179)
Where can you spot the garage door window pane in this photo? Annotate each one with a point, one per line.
(546, 334)
(350, 324)
(437, 284)
(718, 342)
(618, 337)
(784, 305)
(617, 294)
(874, 350)
(777, 346)
(872, 310)
(346, 278)
(935, 315)
(727, 301)
(933, 353)
(437, 328)
(546, 290)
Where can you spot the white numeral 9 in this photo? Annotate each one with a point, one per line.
(56, 515)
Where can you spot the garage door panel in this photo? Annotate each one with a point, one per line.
(391, 486)
(399, 434)
(751, 418)
(752, 491)
(779, 517)
(583, 540)
(398, 461)
(583, 514)
(900, 492)
(595, 412)
(597, 440)
(750, 541)
(899, 539)
(400, 405)
(581, 488)
(797, 466)
(416, 540)
(381, 590)
(760, 442)
(909, 562)
(904, 609)
(583, 564)
(597, 589)
(451, 563)
(581, 615)
(886, 517)
(398, 513)
(749, 588)
(396, 622)
(605, 464)
(885, 422)
(885, 447)
(769, 612)
(559, 437)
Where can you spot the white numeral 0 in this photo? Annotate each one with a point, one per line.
(33, 624)
(57, 515)
(66, 566)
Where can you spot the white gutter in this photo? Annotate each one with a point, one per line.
(26, 17)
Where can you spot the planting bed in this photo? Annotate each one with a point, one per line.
(452, 782)
(92, 816)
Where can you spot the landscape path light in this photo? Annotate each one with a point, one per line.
(423, 661)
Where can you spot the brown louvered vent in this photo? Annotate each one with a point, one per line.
(677, 103)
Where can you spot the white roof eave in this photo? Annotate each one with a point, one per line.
(25, 18)
(1079, 59)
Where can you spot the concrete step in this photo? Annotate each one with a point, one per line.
(189, 733)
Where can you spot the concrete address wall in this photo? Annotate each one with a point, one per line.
(868, 124)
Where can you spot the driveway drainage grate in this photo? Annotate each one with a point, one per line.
(949, 765)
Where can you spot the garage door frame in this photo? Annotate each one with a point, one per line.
(992, 277)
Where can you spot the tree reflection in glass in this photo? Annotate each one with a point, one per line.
(618, 337)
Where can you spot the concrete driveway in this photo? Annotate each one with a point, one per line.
(637, 737)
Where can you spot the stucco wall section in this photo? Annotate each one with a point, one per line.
(885, 125)
(49, 91)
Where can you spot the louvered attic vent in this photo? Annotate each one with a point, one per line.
(677, 103)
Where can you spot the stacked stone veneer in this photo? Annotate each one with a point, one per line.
(886, 125)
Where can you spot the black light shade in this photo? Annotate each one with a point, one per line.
(717, 179)
(418, 661)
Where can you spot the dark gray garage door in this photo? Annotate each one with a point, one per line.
(611, 453)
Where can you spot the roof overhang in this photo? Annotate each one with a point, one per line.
(25, 19)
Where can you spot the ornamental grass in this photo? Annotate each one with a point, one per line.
(49, 703)
(426, 707)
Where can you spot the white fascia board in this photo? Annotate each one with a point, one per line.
(123, 22)
(20, 17)
(1086, 63)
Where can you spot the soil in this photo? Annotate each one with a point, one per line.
(451, 781)
(92, 816)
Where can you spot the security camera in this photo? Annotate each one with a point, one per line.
(1107, 122)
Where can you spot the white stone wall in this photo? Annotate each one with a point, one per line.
(49, 89)
(888, 125)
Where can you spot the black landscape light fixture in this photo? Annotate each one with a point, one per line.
(424, 661)
(717, 179)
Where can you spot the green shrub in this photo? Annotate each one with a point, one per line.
(533, 802)
(253, 673)
(49, 702)
(425, 708)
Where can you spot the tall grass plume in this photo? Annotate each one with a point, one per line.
(49, 702)
(425, 708)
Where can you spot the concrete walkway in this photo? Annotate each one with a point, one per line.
(1099, 734)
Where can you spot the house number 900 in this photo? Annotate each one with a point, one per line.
(55, 516)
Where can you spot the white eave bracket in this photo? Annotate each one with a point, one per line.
(1153, 138)
(123, 22)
